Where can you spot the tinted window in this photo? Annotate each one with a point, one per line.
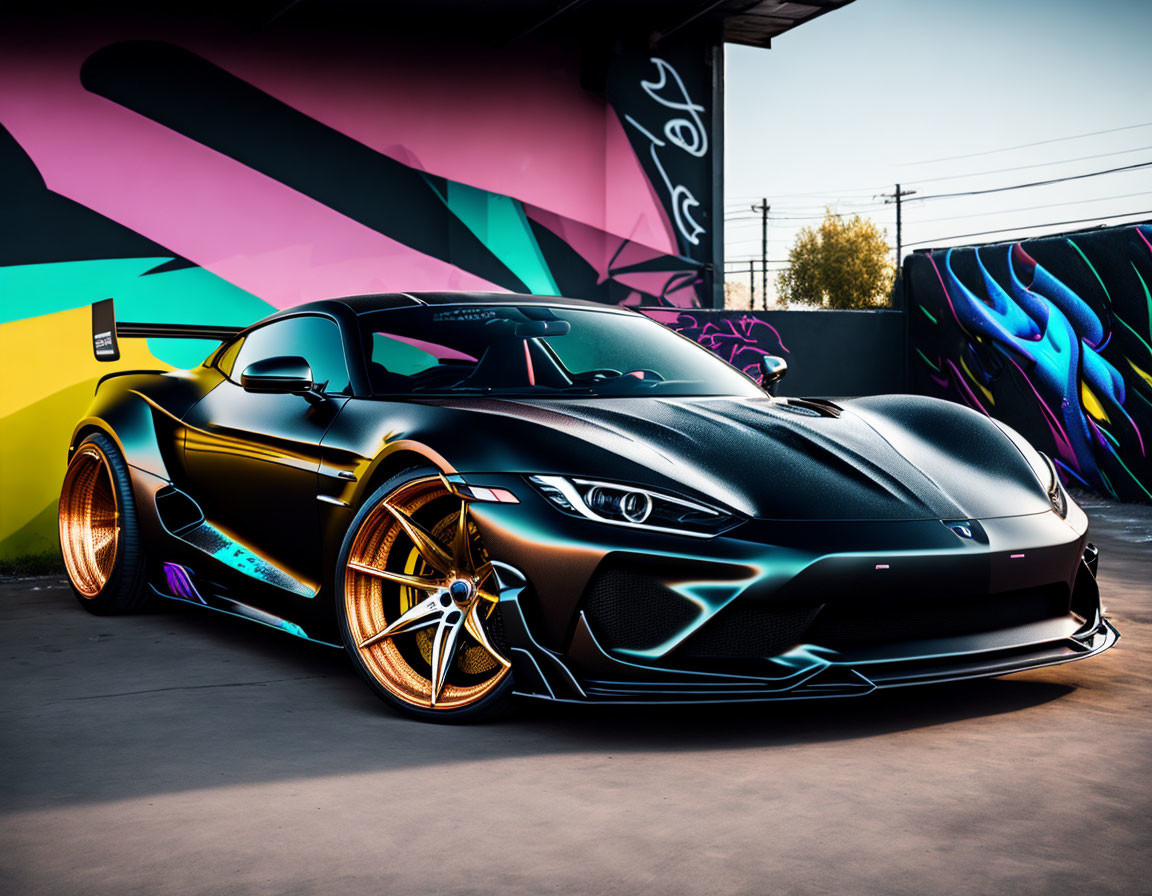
(538, 351)
(315, 339)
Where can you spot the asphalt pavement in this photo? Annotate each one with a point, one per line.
(179, 751)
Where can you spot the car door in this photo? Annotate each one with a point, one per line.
(252, 457)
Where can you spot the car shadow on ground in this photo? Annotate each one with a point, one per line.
(185, 700)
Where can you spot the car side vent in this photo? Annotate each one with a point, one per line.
(176, 510)
(631, 610)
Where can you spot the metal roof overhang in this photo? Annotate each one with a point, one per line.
(751, 22)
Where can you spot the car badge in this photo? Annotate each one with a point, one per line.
(961, 529)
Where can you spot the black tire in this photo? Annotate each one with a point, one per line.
(494, 704)
(125, 589)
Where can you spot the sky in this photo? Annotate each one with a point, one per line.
(884, 91)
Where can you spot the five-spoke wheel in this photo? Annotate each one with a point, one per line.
(419, 601)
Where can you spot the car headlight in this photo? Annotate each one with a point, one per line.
(632, 506)
(1056, 494)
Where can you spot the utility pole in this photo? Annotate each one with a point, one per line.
(751, 286)
(896, 197)
(763, 208)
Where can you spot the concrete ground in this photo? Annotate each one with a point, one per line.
(182, 752)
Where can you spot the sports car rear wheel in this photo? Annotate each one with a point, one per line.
(99, 537)
(418, 611)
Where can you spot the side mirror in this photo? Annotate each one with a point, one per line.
(772, 370)
(281, 375)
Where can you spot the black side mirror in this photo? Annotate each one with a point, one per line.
(281, 375)
(772, 370)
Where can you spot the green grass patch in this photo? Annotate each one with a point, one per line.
(42, 564)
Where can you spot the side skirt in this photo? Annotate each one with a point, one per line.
(179, 586)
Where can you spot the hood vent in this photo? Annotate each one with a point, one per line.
(809, 407)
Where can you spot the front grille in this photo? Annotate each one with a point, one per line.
(843, 624)
(750, 630)
(633, 610)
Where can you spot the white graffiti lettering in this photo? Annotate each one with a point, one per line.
(684, 132)
(687, 133)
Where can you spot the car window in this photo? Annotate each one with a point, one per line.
(315, 339)
(537, 351)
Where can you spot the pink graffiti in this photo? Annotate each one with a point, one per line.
(738, 340)
(243, 226)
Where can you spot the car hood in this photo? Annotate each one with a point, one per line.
(885, 458)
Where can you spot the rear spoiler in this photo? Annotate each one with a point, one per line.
(106, 332)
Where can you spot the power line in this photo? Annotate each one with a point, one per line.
(1031, 208)
(1103, 155)
(816, 195)
(988, 152)
(1038, 183)
(819, 203)
(805, 217)
(738, 202)
(1029, 227)
(820, 217)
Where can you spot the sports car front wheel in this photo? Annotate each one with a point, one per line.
(99, 536)
(417, 602)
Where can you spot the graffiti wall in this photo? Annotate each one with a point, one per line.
(1054, 337)
(830, 354)
(199, 176)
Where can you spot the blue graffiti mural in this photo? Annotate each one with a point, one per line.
(1052, 336)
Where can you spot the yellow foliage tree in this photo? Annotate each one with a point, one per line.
(844, 263)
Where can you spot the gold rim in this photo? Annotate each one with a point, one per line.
(419, 596)
(89, 520)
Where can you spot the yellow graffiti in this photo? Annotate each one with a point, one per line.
(1092, 404)
(50, 375)
(1147, 376)
(977, 383)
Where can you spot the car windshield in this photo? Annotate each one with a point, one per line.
(537, 351)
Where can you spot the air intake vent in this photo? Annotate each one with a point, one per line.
(634, 611)
(750, 631)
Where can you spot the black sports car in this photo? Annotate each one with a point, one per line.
(486, 495)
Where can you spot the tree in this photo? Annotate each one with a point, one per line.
(842, 264)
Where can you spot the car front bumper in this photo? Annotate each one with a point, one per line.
(877, 604)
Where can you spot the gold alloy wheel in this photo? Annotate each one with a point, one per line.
(418, 592)
(89, 520)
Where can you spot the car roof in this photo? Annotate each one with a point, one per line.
(381, 301)
(347, 308)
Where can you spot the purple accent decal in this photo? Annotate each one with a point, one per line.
(180, 583)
